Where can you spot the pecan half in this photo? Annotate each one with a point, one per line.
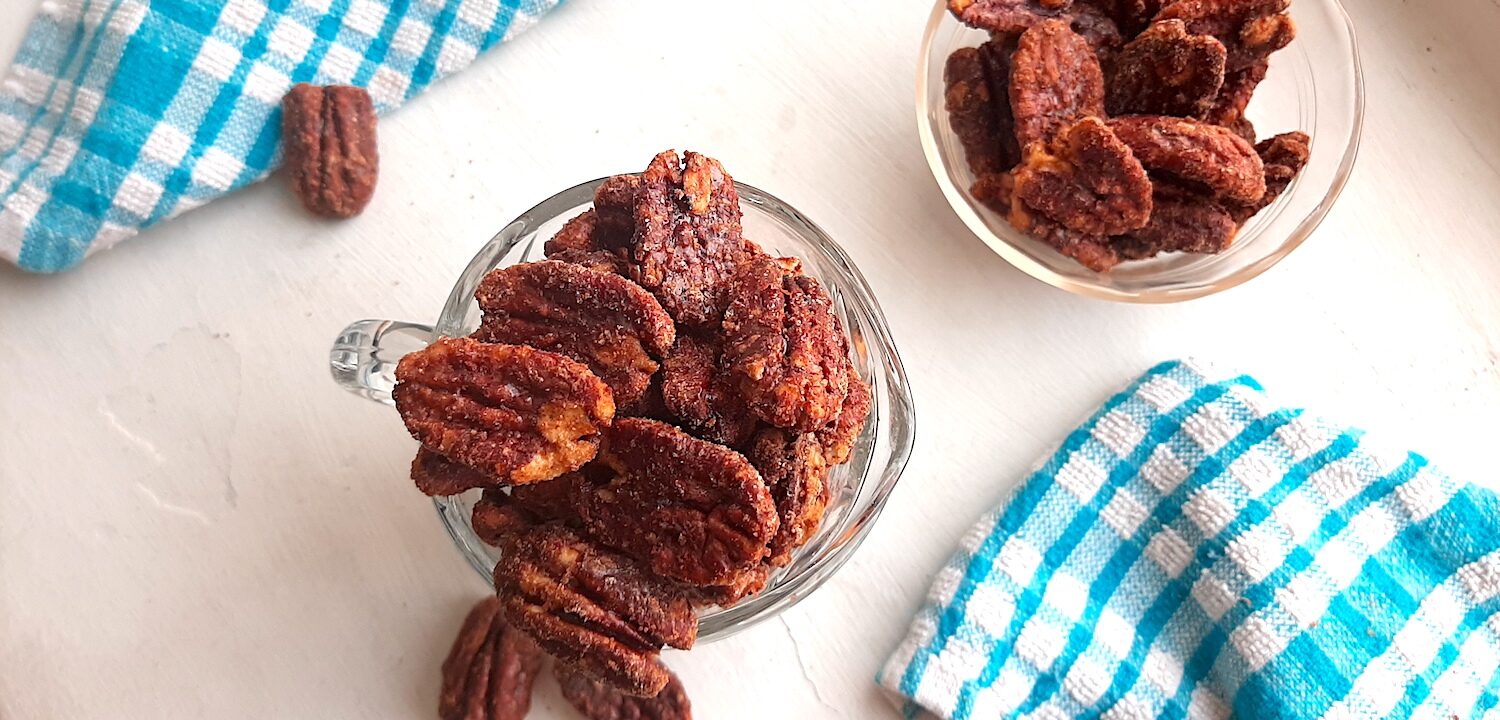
(973, 112)
(1234, 97)
(592, 609)
(1007, 17)
(701, 398)
(1166, 71)
(1250, 29)
(490, 669)
(784, 347)
(436, 475)
(498, 513)
(1055, 80)
(328, 138)
(690, 510)
(597, 701)
(600, 319)
(1198, 152)
(688, 238)
(521, 414)
(1181, 221)
(615, 200)
(839, 436)
(794, 469)
(1086, 180)
(1283, 156)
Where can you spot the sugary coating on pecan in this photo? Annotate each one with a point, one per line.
(1250, 29)
(688, 509)
(1229, 107)
(576, 235)
(499, 513)
(437, 476)
(1099, 30)
(700, 398)
(688, 238)
(1130, 16)
(604, 261)
(1181, 221)
(495, 517)
(614, 201)
(597, 701)
(727, 595)
(784, 348)
(1007, 17)
(795, 470)
(490, 669)
(1196, 151)
(997, 192)
(972, 111)
(328, 139)
(995, 55)
(1283, 156)
(1086, 180)
(604, 320)
(839, 436)
(521, 414)
(592, 609)
(1055, 80)
(1166, 71)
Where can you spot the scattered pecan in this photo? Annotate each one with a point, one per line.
(1055, 80)
(795, 470)
(1086, 180)
(702, 399)
(1283, 157)
(688, 239)
(784, 347)
(522, 414)
(973, 114)
(1166, 71)
(839, 436)
(1198, 152)
(1229, 107)
(592, 609)
(490, 669)
(688, 509)
(597, 701)
(436, 475)
(328, 137)
(615, 200)
(1181, 221)
(1250, 29)
(604, 320)
(1007, 17)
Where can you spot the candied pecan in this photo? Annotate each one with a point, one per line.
(1229, 108)
(997, 191)
(590, 608)
(796, 472)
(690, 510)
(575, 235)
(1086, 180)
(744, 584)
(614, 200)
(489, 672)
(596, 701)
(995, 56)
(436, 475)
(1250, 29)
(328, 138)
(1099, 30)
(839, 436)
(1166, 71)
(1007, 17)
(1283, 156)
(499, 513)
(522, 414)
(688, 239)
(603, 320)
(1130, 16)
(700, 398)
(784, 348)
(1195, 151)
(1181, 221)
(495, 517)
(1055, 80)
(603, 261)
(972, 112)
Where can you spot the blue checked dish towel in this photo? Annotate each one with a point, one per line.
(1195, 551)
(117, 114)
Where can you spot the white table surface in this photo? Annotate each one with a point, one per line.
(195, 522)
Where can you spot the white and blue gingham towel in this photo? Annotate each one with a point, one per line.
(1195, 551)
(117, 114)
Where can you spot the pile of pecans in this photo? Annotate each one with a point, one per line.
(1115, 130)
(651, 413)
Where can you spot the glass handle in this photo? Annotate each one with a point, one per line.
(363, 359)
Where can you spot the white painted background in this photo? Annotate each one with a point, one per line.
(195, 522)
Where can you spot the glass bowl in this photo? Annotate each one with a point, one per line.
(1314, 85)
(363, 360)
